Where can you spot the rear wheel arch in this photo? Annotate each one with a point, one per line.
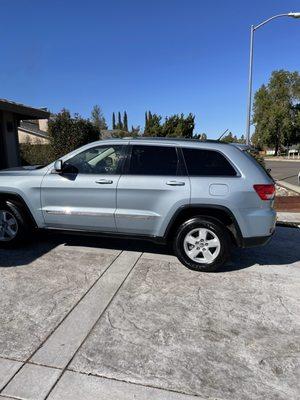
(214, 212)
(14, 199)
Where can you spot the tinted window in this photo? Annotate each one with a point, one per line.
(153, 160)
(96, 160)
(207, 163)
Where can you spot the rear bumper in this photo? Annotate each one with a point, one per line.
(256, 222)
(256, 240)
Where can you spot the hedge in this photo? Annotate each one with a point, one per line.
(35, 154)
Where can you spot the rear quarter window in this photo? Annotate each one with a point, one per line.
(259, 162)
(200, 162)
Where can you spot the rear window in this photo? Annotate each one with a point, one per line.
(200, 162)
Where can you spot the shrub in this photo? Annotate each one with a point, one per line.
(67, 133)
(35, 154)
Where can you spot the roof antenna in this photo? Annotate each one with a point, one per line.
(222, 135)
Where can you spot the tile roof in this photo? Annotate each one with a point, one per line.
(32, 128)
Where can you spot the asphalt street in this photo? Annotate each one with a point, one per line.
(284, 170)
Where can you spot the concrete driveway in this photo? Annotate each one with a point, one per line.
(87, 319)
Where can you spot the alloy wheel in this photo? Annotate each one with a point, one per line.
(202, 245)
(8, 226)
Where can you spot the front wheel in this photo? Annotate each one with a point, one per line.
(14, 227)
(202, 244)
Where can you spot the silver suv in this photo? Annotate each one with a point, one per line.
(203, 197)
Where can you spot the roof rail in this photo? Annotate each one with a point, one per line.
(169, 138)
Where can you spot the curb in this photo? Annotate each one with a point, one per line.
(280, 159)
(284, 224)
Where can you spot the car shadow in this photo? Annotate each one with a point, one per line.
(283, 249)
(44, 242)
(114, 243)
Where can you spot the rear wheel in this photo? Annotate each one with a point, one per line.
(14, 226)
(202, 244)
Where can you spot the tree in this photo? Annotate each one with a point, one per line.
(67, 133)
(200, 136)
(242, 140)
(135, 131)
(276, 113)
(295, 135)
(125, 122)
(229, 138)
(119, 124)
(153, 127)
(119, 133)
(179, 126)
(113, 121)
(98, 119)
(173, 126)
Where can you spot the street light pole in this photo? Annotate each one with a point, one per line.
(250, 79)
(250, 86)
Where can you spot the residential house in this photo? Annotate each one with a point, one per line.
(11, 114)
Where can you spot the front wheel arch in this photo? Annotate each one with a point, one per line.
(14, 199)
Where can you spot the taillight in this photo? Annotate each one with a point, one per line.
(265, 192)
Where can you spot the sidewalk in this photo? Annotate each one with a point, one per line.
(289, 186)
(281, 159)
(288, 218)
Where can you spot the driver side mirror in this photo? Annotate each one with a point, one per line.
(58, 166)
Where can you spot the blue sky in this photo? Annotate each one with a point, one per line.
(167, 56)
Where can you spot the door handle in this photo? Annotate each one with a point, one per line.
(175, 183)
(104, 182)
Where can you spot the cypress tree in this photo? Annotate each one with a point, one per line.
(125, 122)
(113, 121)
(119, 125)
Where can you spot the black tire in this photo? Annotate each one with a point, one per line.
(214, 226)
(23, 225)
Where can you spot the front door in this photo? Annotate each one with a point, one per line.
(2, 145)
(83, 196)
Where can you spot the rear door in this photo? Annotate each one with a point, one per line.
(151, 189)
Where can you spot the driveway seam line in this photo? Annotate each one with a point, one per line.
(89, 332)
(136, 383)
(56, 327)
(43, 365)
(75, 305)
(11, 359)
